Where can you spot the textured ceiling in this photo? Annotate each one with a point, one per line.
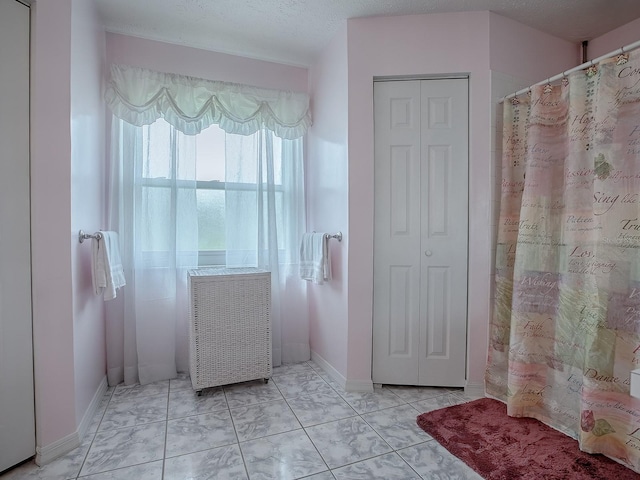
(295, 31)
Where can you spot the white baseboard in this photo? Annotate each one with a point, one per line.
(296, 352)
(336, 376)
(60, 447)
(474, 389)
(365, 386)
(85, 423)
(48, 453)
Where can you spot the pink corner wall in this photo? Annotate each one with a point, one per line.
(327, 188)
(415, 45)
(67, 145)
(166, 57)
(520, 56)
(517, 49)
(54, 362)
(455, 43)
(62, 160)
(87, 197)
(614, 39)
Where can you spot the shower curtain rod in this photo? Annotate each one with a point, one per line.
(626, 49)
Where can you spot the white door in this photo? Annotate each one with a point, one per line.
(17, 429)
(421, 232)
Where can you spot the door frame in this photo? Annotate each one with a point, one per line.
(18, 321)
(443, 76)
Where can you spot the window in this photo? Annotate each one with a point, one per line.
(210, 196)
(226, 172)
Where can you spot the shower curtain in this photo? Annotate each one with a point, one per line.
(565, 332)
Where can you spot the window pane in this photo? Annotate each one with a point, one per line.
(277, 160)
(241, 156)
(210, 154)
(184, 155)
(241, 206)
(155, 235)
(279, 205)
(156, 148)
(211, 220)
(165, 150)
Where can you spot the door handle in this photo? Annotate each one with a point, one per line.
(427, 253)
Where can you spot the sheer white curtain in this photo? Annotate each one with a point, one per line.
(268, 205)
(153, 207)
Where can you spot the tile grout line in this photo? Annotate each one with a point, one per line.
(309, 369)
(166, 430)
(306, 433)
(86, 455)
(393, 450)
(235, 431)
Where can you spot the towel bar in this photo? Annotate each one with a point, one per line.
(85, 236)
(337, 236)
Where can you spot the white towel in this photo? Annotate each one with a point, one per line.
(315, 265)
(106, 272)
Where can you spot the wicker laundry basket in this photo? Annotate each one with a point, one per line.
(230, 326)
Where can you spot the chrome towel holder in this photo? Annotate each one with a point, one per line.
(337, 236)
(85, 236)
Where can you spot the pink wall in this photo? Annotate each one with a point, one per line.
(520, 56)
(54, 366)
(87, 196)
(614, 39)
(67, 145)
(327, 199)
(468, 43)
(405, 46)
(165, 57)
(530, 54)
(66, 154)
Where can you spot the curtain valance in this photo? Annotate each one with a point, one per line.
(140, 96)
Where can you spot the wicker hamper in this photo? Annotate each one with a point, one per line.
(230, 326)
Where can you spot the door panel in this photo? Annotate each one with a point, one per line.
(437, 207)
(400, 297)
(436, 333)
(400, 189)
(444, 200)
(397, 231)
(420, 234)
(17, 429)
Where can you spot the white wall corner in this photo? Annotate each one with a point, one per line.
(333, 374)
(365, 386)
(475, 390)
(336, 376)
(47, 453)
(89, 415)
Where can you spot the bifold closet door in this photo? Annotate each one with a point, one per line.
(17, 428)
(421, 232)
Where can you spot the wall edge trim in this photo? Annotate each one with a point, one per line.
(474, 390)
(47, 453)
(336, 376)
(60, 447)
(85, 423)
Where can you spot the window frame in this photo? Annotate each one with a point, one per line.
(206, 257)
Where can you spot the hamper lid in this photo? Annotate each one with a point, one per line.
(208, 271)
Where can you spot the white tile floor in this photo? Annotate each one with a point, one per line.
(299, 425)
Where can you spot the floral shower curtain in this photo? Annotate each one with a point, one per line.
(565, 332)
